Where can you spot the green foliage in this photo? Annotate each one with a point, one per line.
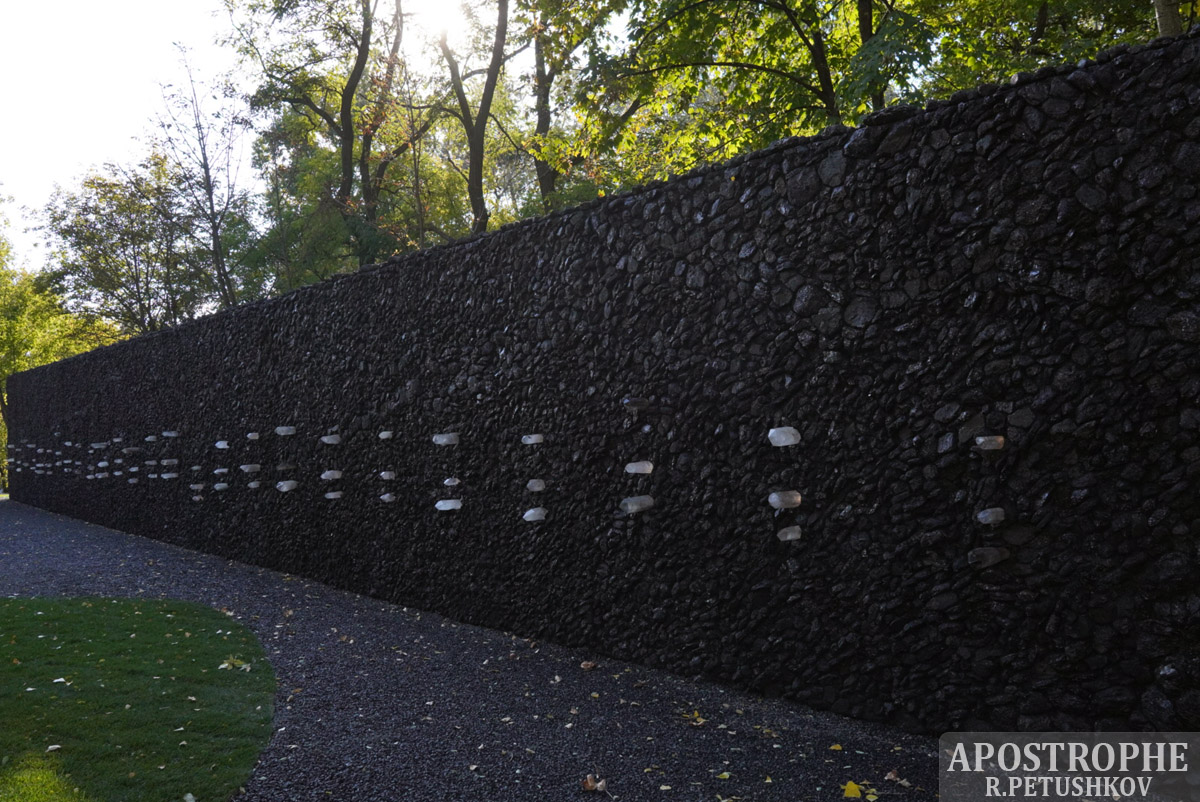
(129, 699)
(704, 80)
(978, 41)
(332, 80)
(123, 250)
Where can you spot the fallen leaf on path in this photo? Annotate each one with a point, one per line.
(594, 783)
(852, 790)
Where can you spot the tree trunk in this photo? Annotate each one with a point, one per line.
(1166, 12)
(547, 176)
(346, 111)
(825, 77)
(475, 124)
(866, 30)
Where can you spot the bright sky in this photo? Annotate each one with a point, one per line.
(79, 81)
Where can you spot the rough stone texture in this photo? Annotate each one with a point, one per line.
(1017, 261)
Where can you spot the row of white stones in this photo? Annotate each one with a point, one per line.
(778, 500)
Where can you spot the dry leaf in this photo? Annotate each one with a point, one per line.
(723, 775)
(852, 790)
(590, 783)
(836, 747)
(587, 665)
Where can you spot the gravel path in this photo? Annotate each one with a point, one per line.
(380, 702)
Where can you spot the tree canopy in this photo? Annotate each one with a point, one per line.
(374, 134)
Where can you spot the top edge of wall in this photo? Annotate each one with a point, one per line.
(891, 115)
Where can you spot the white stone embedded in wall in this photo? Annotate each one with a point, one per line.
(196, 487)
(783, 436)
(446, 439)
(388, 498)
(993, 442)
(251, 435)
(253, 485)
(286, 485)
(450, 482)
(328, 475)
(284, 431)
(535, 514)
(170, 434)
(642, 467)
(387, 476)
(331, 439)
(221, 486)
(992, 515)
(253, 467)
(784, 499)
(535, 485)
(532, 439)
(636, 504)
(222, 444)
(333, 494)
(385, 435)
(788, 533)
(448, 504)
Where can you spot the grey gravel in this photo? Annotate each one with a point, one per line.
(382, 702)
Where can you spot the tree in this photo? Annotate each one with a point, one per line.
(204, 149)
(121, 247)
(558, 30)
(337, 65)
(979, 41)
(707, 79)
(474, 119)
(1166, 13)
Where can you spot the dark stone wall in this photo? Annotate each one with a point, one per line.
(1017, 262)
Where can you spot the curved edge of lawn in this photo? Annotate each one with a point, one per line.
(132, 699)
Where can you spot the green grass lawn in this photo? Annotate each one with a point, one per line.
(128, 699)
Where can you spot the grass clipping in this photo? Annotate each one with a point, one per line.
(128, 699)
